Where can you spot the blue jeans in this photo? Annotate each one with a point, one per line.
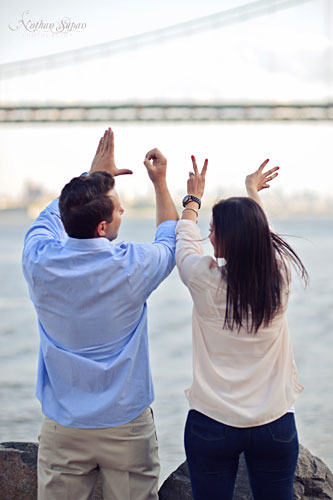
(212, 452)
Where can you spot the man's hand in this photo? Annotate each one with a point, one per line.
(259, 180)
(196, 181)
(104, 157)
(156, 165)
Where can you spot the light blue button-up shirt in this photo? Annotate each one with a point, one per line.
(90, 297)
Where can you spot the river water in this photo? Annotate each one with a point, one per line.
(310, 318)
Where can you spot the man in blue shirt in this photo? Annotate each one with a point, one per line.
(94, 380)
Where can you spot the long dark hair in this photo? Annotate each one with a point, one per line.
(256, 270)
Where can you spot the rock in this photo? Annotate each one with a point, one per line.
(313, 481)
(177, 485)
(18, 472)
(18, 477)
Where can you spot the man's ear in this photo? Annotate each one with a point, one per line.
(100, 230)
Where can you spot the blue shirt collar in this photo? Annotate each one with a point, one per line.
(88, 243)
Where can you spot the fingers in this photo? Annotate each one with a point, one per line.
(111, 144)
(268, 176)
(271, 177)
(272, 170)
(146, 162)
(263, 165)
(153, 154)
(104, 142)
(195, 167)
(107, 141)
(99, 147)
(149, 154)
(204, 168)
(194, 163)
(155, 162)
(101, 144)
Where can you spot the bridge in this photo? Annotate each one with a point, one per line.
(166, 112)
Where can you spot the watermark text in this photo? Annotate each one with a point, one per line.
(62, 26)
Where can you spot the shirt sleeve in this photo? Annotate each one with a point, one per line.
(48, 226)
(189, 249)
(158, 258)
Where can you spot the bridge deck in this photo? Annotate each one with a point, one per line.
(166, 112)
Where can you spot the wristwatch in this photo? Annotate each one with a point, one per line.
(190, 197)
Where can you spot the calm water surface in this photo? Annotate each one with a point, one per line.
(310, 318)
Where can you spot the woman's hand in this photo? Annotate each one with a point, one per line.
(196, 181)
(104, 157)
(259, 180)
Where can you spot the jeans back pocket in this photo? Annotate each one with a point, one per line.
(206, 428)
(283, 430)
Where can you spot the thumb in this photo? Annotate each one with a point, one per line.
(124, 171)
(146, 162)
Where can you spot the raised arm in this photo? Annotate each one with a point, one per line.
(259, 180)
(196, 188)
(156, 165)
(189, 249)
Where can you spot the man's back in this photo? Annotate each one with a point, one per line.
(94, 379)
(90, 296)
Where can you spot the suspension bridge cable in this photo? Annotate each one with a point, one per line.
(235, 15)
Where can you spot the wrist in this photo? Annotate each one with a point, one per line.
(191, 198)
(92, 171)
(159, 182)
(251, 189)
(195, 195)
(189, 212)
(192, 204)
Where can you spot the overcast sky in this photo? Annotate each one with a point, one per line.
(285, 56)
(280, 56)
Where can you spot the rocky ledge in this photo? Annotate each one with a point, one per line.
(18, 477)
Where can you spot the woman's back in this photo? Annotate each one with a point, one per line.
(241, 379)
(244, 374)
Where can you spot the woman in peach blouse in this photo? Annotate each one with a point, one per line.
(244, 375)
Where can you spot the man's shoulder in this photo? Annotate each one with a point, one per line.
(131, 248)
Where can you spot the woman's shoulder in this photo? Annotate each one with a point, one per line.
(205, 269)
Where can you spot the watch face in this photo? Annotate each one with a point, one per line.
(189, 198)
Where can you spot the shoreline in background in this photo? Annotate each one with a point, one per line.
(302, 206)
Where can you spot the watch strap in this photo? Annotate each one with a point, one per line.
(190, 197)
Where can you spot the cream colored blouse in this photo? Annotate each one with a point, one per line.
(240, 379)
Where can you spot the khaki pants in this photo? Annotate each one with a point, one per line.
(70, 460)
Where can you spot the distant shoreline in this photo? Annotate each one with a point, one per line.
(141, 212)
